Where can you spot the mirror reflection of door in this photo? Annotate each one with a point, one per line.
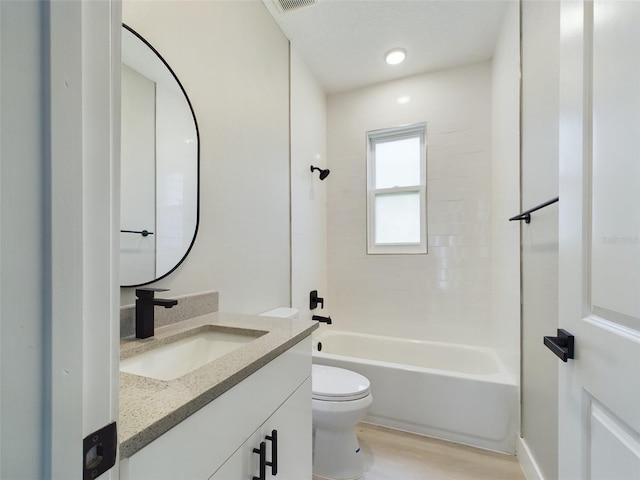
(138, 176)
(176, 177)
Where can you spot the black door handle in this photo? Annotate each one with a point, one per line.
(562, 345)
(274, 452)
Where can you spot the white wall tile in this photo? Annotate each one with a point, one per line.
(446, 294)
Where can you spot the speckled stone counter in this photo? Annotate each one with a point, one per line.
(149, 407)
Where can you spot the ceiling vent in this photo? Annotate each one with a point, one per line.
(289, 5)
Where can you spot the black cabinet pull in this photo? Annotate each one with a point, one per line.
(562, 345)
(274, 452)
(262, 451)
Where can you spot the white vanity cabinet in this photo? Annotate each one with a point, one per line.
(288, 425)
(217, 441)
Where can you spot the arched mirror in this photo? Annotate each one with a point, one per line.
(159, 197)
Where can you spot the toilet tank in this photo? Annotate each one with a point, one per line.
(281, 312)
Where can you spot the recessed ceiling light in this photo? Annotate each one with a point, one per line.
(395, 56)
(403, 100)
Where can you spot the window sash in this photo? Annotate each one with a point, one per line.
(385, 135)
(391, 193)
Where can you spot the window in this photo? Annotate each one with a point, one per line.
(396, 190)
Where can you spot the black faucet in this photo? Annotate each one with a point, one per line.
(145, 303)
(326, 320)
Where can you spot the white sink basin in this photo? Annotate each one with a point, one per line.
(178, 358)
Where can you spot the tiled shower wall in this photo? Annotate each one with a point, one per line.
(446, 294)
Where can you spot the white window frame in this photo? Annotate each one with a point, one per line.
(385, 135)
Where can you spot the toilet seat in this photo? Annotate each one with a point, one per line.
(337, 384)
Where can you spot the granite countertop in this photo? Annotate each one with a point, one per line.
(150, 407)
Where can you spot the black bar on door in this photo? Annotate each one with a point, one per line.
(562, 345)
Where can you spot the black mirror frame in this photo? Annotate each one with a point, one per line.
(195, 122)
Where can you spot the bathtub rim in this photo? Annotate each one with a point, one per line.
(501, 377)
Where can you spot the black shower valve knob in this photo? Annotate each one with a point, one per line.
(315, 300)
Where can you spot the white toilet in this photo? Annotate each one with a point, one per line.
(340, 400)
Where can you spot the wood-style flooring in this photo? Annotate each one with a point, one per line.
(394, 455)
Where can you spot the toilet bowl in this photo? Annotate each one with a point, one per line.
(339, 401)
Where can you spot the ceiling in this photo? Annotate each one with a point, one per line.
(343, 42)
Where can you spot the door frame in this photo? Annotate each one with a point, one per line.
(84, 171)
(59, 171)
(574, 177)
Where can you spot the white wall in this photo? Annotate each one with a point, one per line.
(308, 192)
(22, 304)
(232, 60)
(446, 294)
(541, 37)
(505, 192)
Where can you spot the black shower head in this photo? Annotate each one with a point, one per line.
(323, 173)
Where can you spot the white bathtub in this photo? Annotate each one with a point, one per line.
(454, 392)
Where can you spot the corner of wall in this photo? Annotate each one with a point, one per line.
(527, 462)
(505, 296)
(308, 192)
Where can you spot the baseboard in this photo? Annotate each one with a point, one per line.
(526, 460)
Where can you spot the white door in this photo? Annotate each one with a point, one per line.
(599, 403)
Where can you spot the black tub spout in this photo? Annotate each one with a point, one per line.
(319, 318)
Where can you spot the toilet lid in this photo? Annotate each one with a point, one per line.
(337, 384)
